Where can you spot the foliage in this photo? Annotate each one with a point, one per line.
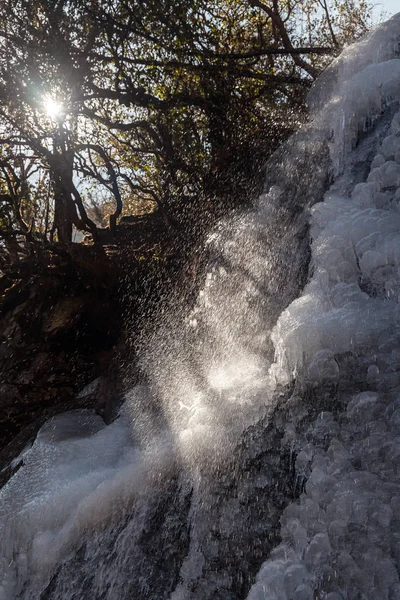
(173, 103)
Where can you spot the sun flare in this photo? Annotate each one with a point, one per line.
(53, 109)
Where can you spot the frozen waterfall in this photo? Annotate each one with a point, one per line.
(262, 460)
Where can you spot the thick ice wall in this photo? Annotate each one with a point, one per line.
(351, 302)
(341, 539)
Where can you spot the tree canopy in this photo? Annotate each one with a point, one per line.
(111, 105)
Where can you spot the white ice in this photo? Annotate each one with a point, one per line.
(341, 540)
(79, 476)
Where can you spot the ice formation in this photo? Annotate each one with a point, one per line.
(351, 302)
(78, 477)
(341, 540)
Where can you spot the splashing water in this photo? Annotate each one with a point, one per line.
(181, 496)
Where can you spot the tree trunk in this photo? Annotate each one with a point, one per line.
(62, 213)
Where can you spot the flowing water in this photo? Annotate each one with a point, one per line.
(262, 458)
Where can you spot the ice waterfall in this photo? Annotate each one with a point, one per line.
(263, 458)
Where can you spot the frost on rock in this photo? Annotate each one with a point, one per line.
(341, 539)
